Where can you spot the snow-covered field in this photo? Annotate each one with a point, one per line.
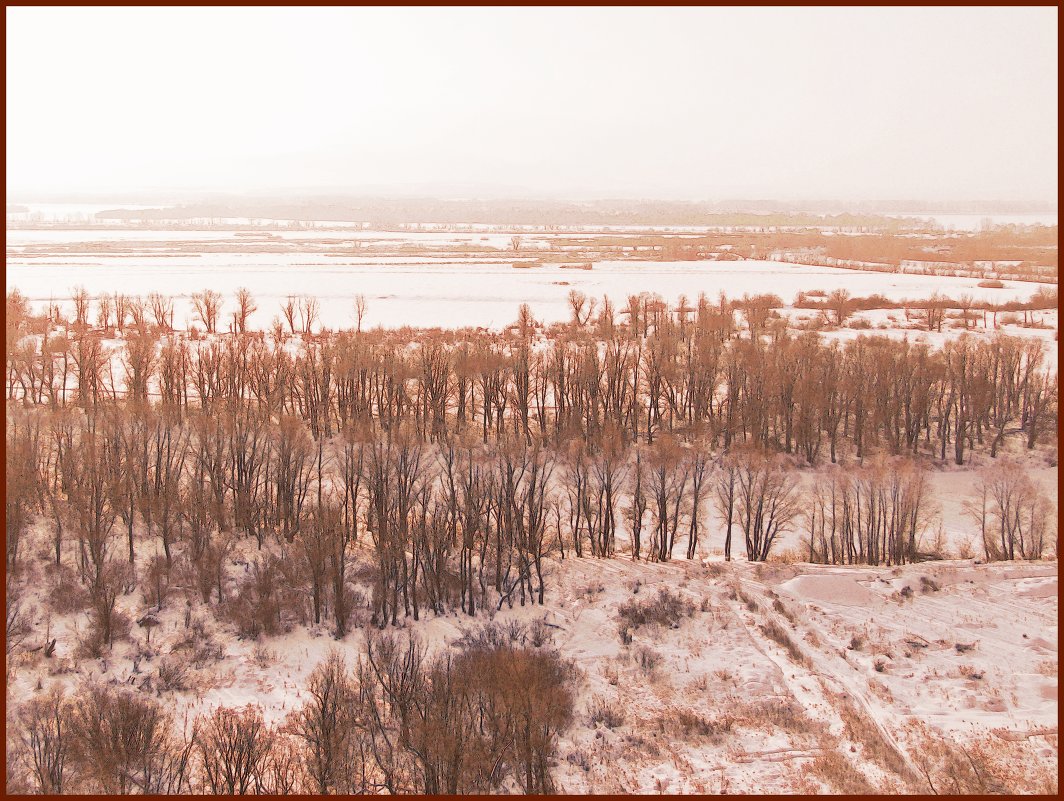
(782, 678)
(421, 290)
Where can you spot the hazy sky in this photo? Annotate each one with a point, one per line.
(687, 103)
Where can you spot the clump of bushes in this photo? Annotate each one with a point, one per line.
(606, 712)
(263, 599)
(68, 594)
(199, 643)
(647, 659)
(664, 609)
(928, 584)
(689, 723)
(775, 632)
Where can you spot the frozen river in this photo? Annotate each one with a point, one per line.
(425, 292)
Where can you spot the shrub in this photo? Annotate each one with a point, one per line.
(666, 609)
(199, 643)
(172, 675)
(606, 712)
(778, 606)
(774, 631)
(262, 600)
(68, 594)
(647, 659)
(835, 770)
(540, 634)
(689, 723)
(778, 713)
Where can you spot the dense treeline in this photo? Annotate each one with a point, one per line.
(482, 718)
(466, 459)
(729, 371)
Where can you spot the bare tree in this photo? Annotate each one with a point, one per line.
(360, 310)
(245, 307)
(308, 312)
(162, 309)
(325, 725)
(208, 305)
(44, 732)
(767, 501)
(234, 748)
(840, 305)
(81, 306)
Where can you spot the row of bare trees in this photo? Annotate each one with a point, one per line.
(689, 378)
(483, 718)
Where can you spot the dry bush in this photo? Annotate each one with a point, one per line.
(861, 729)
(778, 606)
(234, 748)
(687, 723)
(104, 629)
(928, 584)
(68, 594)
(610, 674)
(787, 556)
(747, 601)
(881, 691)
(265, 601)
(775, 632)
(124, 743)
(839, 774)
(784, 714)
(985, 765)
(155, 587)
(199, 643)
(594, 589)
(540, 634)
(608, 713)
(965, 548)
(665, 609)
(646, 658)
(172, 675)
(263, 656)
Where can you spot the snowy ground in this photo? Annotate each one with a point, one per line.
(716, 703)
(433, 279)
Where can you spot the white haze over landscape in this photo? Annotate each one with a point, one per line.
(852, 104)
